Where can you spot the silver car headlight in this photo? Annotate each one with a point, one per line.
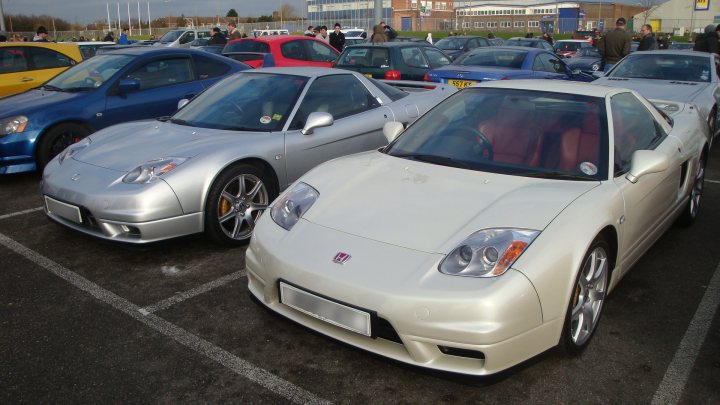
(73, 150)
(487, 253)
(152, 170)
(13, 125)
(291, 206)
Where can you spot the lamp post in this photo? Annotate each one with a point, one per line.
(2, 18)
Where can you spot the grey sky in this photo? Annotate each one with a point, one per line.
(85, 11)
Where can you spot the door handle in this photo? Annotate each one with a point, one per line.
(26, 79)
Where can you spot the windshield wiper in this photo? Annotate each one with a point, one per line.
(76, 89)
(556, 175)
(176, 121)
(439, 160)
(50, 87)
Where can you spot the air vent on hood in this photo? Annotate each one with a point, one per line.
(686, 83)
(618, 78)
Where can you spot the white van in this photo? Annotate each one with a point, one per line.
(181, 38)
(259, 33)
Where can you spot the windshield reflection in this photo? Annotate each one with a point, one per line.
(90, 74)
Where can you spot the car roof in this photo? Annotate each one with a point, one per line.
(573, 40)
(272, 38)
(394, 44)
(462, 37)
(683, 52)
(305, 71)
(89, 42)
(155, 50)
(50, 45)
(559, 86)
(511, 47)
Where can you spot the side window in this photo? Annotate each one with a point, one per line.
(206, 68)
(634, 128)
(472, 43)
(322, 96)
(413, 57)
(483, 42)
(187, 37)
(436, 58)
(293, 50)
(47, 59)
(548, 63)
(163, 72)
(13, 59)
(319, 52)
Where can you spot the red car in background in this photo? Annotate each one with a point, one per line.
(287, 50)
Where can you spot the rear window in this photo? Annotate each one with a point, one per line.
(365, 57)
(495, 57)
(247, 46)
(393, 92)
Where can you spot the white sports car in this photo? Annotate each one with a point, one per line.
(491, 230)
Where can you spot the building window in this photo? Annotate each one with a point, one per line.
(492, 24)
(413, 4)
(466, 24)
(504, 24)
(519, 24)
(534, 24)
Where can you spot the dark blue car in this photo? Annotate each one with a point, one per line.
(125, 85)
(503, 63)
(587, 60)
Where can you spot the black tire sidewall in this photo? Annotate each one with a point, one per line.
(44, 153)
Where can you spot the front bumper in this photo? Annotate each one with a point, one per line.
(458, 324)
(17, 152)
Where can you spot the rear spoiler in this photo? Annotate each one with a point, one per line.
(411, 85)
(267, 58)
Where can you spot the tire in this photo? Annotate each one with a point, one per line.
(692, 208)
(713, 125)
(587, 298)
(236, 200)
(57, 139)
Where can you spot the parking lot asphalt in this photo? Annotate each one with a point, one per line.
(83, 320)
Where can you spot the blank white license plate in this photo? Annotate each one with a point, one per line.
(326, 310)
(61, 209)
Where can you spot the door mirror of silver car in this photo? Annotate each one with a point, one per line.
(317, 120)
(645, 162)
(182, 103)
(128, 86)
(392, 129)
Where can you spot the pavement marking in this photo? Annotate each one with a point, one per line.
(14, 214)
(678, 372)
(226, 359)
(178, 298)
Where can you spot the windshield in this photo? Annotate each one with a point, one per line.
(588, 51)
(567, 46)
(664, 67)
(171, 36)
(247, 46)
(494, 57)
(244, 102)
(365, 57)
(521, 42)
(90, 74)
(451, 44)
(516, 132)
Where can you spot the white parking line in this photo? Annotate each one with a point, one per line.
(678, 372)
(239, 366)
(177, 298)
(14, 214)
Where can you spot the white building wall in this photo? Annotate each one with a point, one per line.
(680, 18)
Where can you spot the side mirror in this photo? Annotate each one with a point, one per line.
(128, 86)
(182, 103)
(317, 120)
(575, 72)
(645, 162)
(392, 129)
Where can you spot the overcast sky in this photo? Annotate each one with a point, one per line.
(85, 11)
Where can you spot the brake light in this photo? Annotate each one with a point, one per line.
(504, 78)
(426, 77)
(392, 75)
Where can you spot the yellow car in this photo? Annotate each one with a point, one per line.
(24, 65)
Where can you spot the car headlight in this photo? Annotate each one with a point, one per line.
(487, 253)
(13, 125)
(290, 207)
(73, 149)
(152, 170)
(595, 67)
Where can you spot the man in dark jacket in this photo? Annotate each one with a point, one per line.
(648, 42)
(217, 37)
(707, 41)
(615, 45)
(337, 38)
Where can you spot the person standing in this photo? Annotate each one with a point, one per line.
(323, 35)
(546, 36)
(707, 41)
(647, 42)
(309, 32)
(378, 35)
(233, 32)
(390, 33)
(124, 37)
(337, 38)
(664, 41)
(217, 37)
(615, 45)
(40, 35)
(110, 37)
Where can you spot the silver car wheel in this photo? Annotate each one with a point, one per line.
(241, 202)
(697, 189)
(589, 296)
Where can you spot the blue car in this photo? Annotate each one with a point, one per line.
(503, 63)
(125, 85)
(587, 60)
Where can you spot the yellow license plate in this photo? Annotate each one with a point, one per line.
(461, 84)
(368, 75)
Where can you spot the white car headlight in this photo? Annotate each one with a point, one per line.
(152, 170)
(13, 125)
(487, 253)
(73, 149)
(595, 66)
(290, 207)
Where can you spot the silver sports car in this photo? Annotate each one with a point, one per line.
(218, 162)
(684, 76)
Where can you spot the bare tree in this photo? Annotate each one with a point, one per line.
(649, 6)
(288, 12)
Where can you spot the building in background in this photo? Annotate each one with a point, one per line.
(680, 17)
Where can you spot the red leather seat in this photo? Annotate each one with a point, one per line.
(578, 145)
(513, 134)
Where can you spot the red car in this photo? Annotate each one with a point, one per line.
(287, 50)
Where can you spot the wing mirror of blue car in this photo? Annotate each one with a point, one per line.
(644, 162)
(392, 129)
(317, 120)
(128, 86)
(575, 72)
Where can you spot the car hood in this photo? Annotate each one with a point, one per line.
(582, 60)
(125, 146)
(427, 207)
(662, 89)
(35, 100)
